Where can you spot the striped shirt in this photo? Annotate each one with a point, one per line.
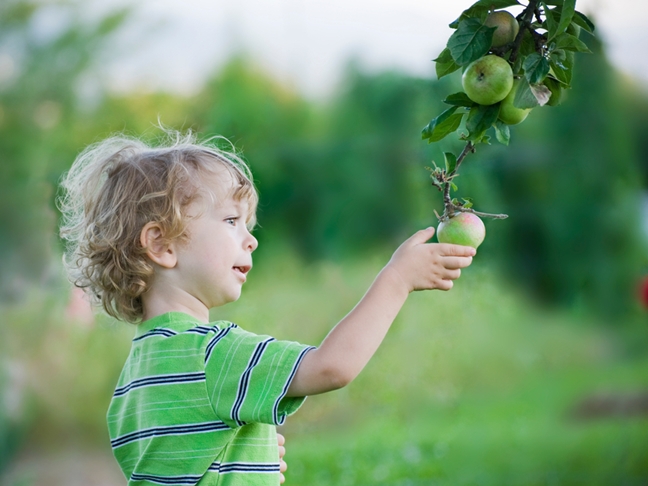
(198, 404)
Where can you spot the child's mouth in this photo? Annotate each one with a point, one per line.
(242, 270)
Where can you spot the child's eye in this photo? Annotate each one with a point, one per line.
(231, 221)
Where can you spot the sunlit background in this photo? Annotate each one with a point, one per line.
(533, 370)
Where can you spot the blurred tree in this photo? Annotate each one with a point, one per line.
(39, 73)
(571, 183)
(334, 177)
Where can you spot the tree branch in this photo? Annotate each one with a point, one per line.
(525, 19)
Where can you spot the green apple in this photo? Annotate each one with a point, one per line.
(509, 113)
(487, 80)
(507, 27)
(465, 229)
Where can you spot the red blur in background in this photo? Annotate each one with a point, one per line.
(643, 292)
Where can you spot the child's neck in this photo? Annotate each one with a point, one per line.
(160, 301)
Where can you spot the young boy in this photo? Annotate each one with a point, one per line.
(158, 236)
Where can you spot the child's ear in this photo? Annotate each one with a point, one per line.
(157, 249)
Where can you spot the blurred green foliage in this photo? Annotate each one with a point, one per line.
(40, 117)
(339, 177)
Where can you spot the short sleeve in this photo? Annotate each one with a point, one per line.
(248, 375)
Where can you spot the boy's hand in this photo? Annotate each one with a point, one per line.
(281, 440)
(423, 266)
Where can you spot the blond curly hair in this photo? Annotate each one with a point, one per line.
(117, 186)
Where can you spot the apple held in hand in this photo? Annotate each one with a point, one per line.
(487, 80)
(509, 113)
(507, 27)
(465, 229)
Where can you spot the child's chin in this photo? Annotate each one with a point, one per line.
(231, 297)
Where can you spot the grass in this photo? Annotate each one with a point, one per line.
(477, 386)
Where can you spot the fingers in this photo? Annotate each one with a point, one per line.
(282, 469)
(445, 285)
(454, 263)
(457, 250)
(281, 440)
(421, 236)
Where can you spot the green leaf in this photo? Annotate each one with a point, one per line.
(444, 124)
(572, 43)
(467, 202)
(476, 11)
(557, 55)
(563, 70)
(496, 4)
(524, 97)
(459, 99)
(582, 21)
(502, 132)
(454, 187)
(450, 162)
(550, 21)
(536, 67)
(480, 119)
(445, 64)
(470, 41)
(566, 14)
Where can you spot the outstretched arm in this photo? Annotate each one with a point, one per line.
(416, 265)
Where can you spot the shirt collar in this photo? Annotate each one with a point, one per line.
(176, 321)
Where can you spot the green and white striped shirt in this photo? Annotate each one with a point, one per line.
(198, 404)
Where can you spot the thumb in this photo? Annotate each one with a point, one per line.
(422, 236)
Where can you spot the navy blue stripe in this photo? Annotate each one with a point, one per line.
(160, 380)
(165, 479)
(215, 339)
(244, 467)
(156, 332)
(288, 382)
(168, 430)
(245, 379)
(203, 329)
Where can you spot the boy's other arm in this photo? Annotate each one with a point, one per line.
(416, 265)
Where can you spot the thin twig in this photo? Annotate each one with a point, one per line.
(469, 148)
(480, 214)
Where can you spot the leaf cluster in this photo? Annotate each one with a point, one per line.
(541, 56)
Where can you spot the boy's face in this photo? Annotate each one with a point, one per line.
(214, 263)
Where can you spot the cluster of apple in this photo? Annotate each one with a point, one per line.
(490, 80)
(511, 64)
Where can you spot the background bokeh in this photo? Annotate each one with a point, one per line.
(532, 370)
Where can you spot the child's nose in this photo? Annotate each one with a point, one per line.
(252, 243)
